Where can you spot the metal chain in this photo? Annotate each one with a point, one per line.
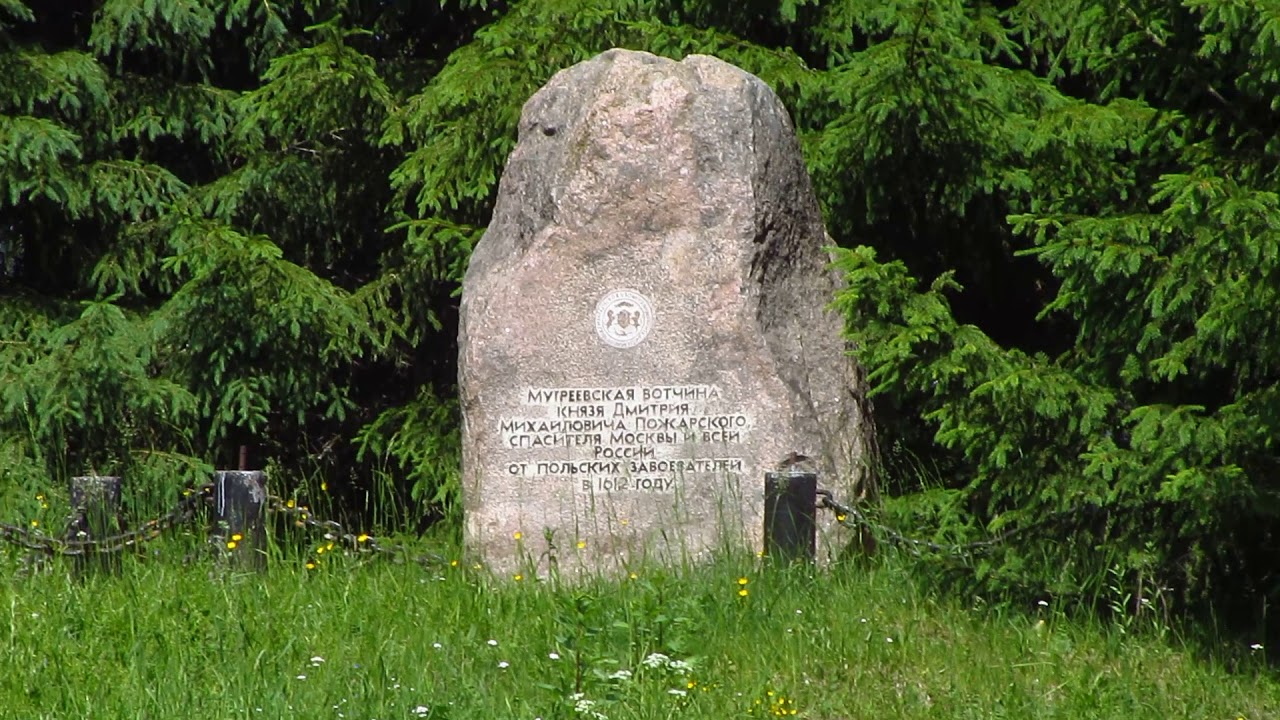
(852, 518)
(188, 505)
(335, 532)
(184, 511)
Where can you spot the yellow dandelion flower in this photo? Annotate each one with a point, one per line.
(329, 546)
(742, 581)
(289, 504)
(453, 563)
(320, 550)
(365, 538)
(633, 576)
(35, 523)
(324, 487)
(840, 518)
(582, 544)
(743, 592)
(231, 544)
(311, 565)
(519, 577)
(518, 535)
(237, 537)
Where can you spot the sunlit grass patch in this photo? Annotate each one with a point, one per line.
(350, 638)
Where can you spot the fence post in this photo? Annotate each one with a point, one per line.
(239, 497)
(95, 515)
(790, 528)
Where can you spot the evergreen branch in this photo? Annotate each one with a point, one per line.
(915, 36)
(1146, 29)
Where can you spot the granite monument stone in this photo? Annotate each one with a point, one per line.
(645, 327)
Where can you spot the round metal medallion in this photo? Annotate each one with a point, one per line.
(624, 318)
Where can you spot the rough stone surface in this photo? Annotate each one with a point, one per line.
(644, 327)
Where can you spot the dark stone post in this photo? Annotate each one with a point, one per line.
(95, 515)
(239, 497)
(790, 529)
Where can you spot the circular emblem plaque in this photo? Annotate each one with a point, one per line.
(623, 318)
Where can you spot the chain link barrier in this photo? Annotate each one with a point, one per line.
(189, 505)
(852, 518)
(79, 546)
(334, 532)
(185, 511)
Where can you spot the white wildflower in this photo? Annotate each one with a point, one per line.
(583, 706)
(680, 667)
(655, 660)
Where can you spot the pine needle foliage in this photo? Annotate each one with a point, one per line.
(193, 245)
(1132, 155)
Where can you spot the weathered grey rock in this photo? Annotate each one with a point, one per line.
(644, 327)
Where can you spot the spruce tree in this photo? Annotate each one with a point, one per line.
(1134, 159)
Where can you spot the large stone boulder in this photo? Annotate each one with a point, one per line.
(645, 327)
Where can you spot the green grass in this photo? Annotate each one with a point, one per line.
(360, 639)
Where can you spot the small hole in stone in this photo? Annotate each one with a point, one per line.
(549, 130)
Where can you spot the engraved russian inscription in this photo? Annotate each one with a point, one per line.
(626, 439)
